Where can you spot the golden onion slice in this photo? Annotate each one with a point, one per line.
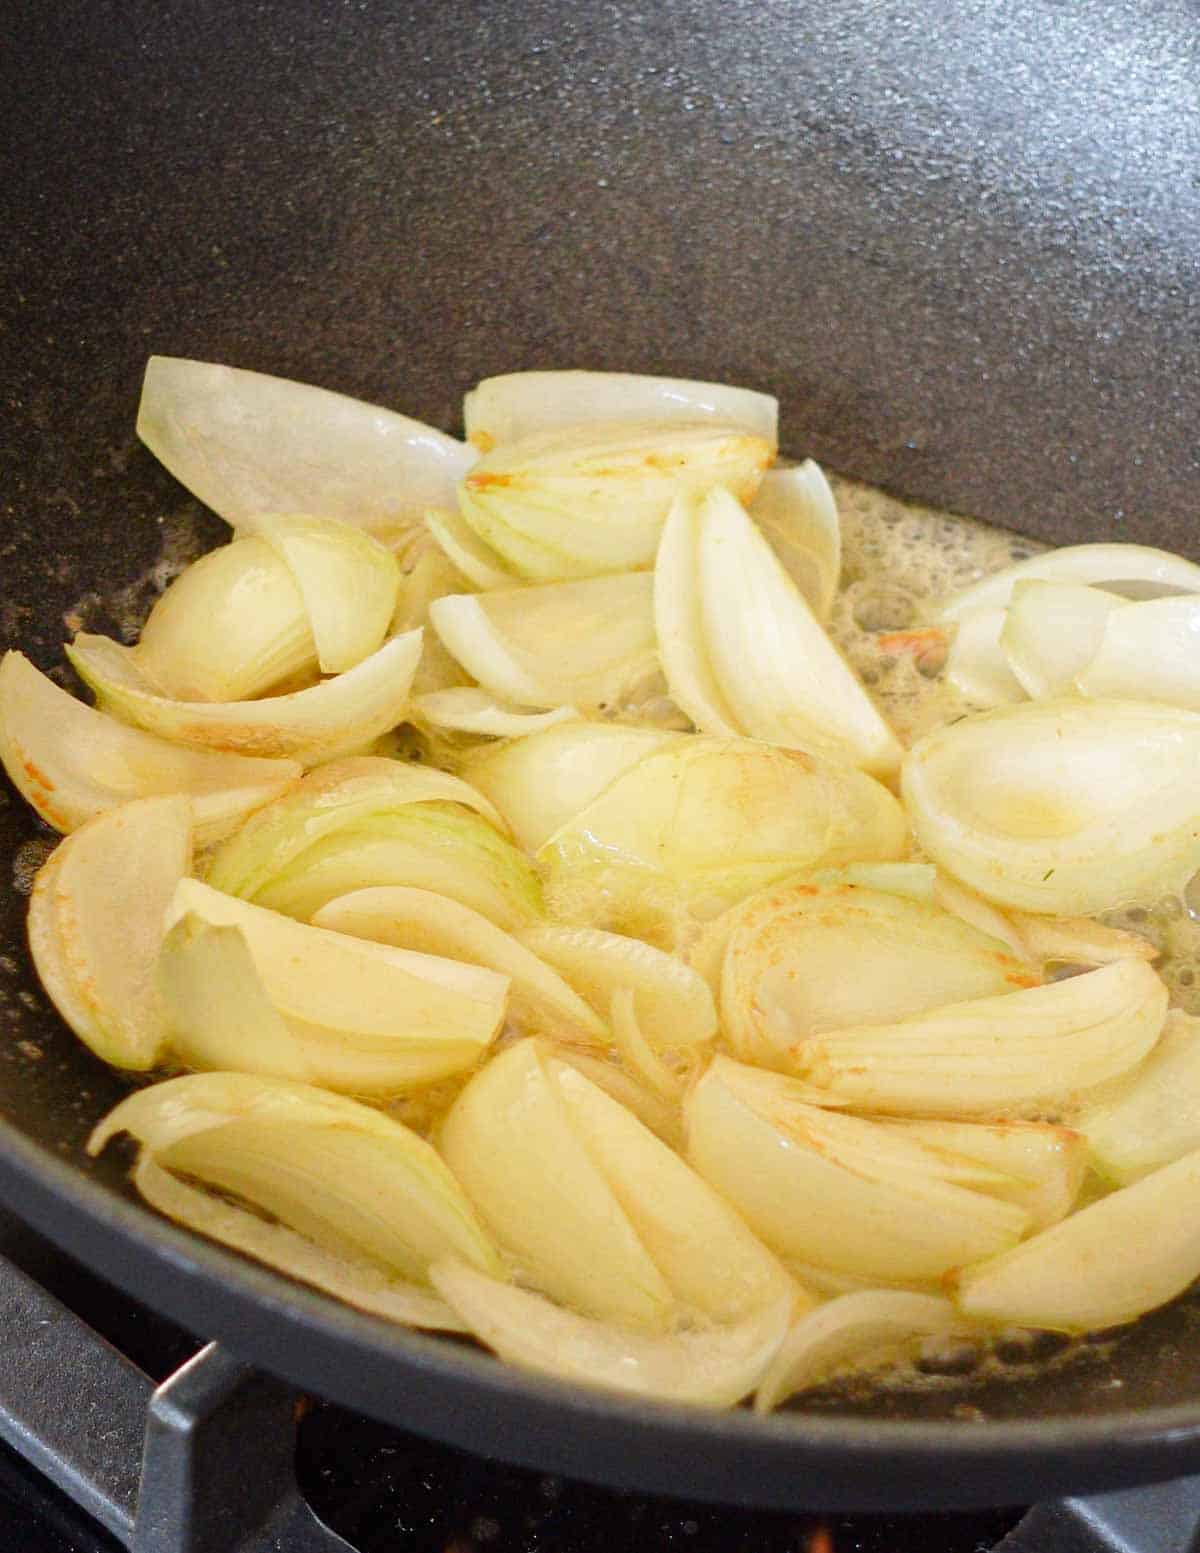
(246, 443)
(586, 643)
(1156, 1119)
(96, 923)
(1106, 1264)
(855, 1332)
(369, 1018)
(836, 1190)
(815, 956)
(519, 404)
(709, 1365)
(1051, 632)
(582, 500)
(1017, 1053)
(231, 626)
(72, 762)
(334, 718)
(1062, 807)
(1100, 565)
(795, 509)
(370, 1202)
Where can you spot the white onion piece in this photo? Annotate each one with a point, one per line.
(976, 665)
(464, 709)
(1101, 565)
(73, 763)
(781, 676)
(96, 922)
(673, 1004)
(1079, 940)
(347, 579)
(953, 896)
(418, 919)
(1157, 1118)
(585, 500)
(1051, 632)
(1106, 1264)
(795, 509)
(330, 719)
(914, 881)
(356, 1282)
(520, 404)
(710, 1366)
(854, 1332)
(230, 627)
(638, 1055)
(580, 642)
(370, 1018)
(815, 957)
(1149, 651)
(540, 782)
(1042, 1165)
(1066, 807)
(477, 561)
(1011, 1054)
(246, 443)
(679, 624)
(662, 1116)
(837, 1190)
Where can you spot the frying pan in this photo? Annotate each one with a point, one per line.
(958, 243)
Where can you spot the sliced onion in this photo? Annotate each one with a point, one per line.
(674, 1006)
(1051, 632)
(581, 642)
(230, 627)
(1079, 940)
(580, 501)
(795, 509)
(427, 575)
(708, 1366)
(1106, 1264)
(1016, 1053)
(1150, 651)
(465, 709)
(369, 1018)
(976, 664)
(330, 719)
(679, 624)
(418, 919)
(96, 923)
(1065, 807)
(1102, 565)
(540, 782)
(1156, 1120)
(477, 561)
(342, 1175)
(780, 675)
(709, 821)
(245, 443)
(1042, 1165)
(510, 1141)
(638, 1055)
(813, 957)
(347, 579)
(73, 763)
(913, 881)
(953, 896)
(520, 404)
(661, 1115)
(837, 1190)
(854, 1332)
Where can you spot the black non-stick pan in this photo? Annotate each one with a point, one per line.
(958, 241)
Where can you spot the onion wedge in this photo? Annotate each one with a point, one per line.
(314, 725)
(1150, 651)
(1109, 1263)
(976, 664)
(464, 709)
(795, 509)
(1100, 565)
(245, 443)
(96, 924)
(710, 1366)
(679, 624)
(521, 404)
(1051, 632)
(837, 1190)
(477, 561)
(1013, 1054)
(1064, 807)
(854, 1332)
(584, 643)
(1156, 1120)
(73, 763)
(779, 673)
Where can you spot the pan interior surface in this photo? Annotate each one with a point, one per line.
(959, 249)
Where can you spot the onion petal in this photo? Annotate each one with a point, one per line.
(465, 709)
(1102, 565)
(795, 509)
